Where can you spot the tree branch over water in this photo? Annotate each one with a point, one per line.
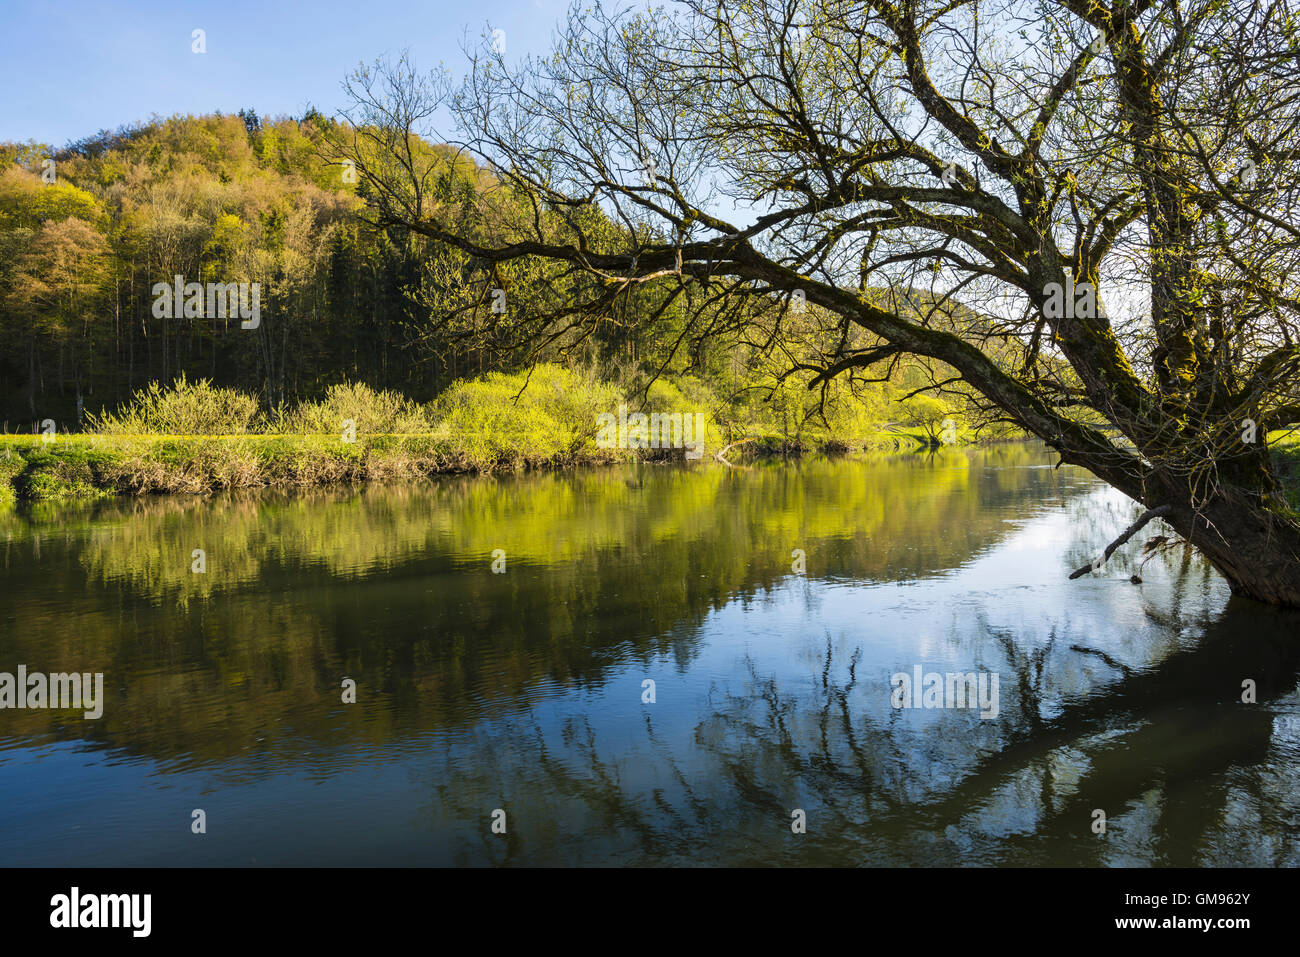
(1151, 513)
(919, 188)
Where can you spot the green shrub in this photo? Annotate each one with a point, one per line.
(64, 471)
(521, 419)
(372, 412)
(183, 408)
(933, 416)
(688, 397)
(11, 465)
(1285, 448)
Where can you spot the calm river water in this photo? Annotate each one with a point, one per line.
(520, 695)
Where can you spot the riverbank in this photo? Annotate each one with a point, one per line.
(194, 437)
(82, 467)
(89, 466)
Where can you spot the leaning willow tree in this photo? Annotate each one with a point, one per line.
(1084, 210)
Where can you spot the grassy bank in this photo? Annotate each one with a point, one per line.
(88, 466)
(192, 437)
(1286, 453)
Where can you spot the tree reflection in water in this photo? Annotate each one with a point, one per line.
(523, 691)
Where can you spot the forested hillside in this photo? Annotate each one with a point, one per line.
(87, 232)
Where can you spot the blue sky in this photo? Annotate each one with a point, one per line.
(82, 66)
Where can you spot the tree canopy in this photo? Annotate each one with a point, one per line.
(1083, 211)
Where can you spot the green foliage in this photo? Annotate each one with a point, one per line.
(371, 411)
(522, 419)
(689, 396)
(933, 416)
(26, 201)
(11, 466)
(184, 408)
(60, 471)
(1285, 449)
(227, 198)
(194, 437)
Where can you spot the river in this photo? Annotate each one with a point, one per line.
(643, 665)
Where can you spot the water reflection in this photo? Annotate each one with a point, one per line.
(523, 691)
